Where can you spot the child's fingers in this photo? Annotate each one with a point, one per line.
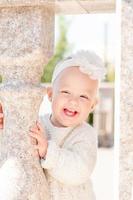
(36, 147)
(40, 127)
(1, 120)
(35, 136)
(33, 141)
(1, 126)
(37, 129)
(34, 130)
(1, 115)
(1, 108)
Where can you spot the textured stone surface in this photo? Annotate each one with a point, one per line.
(66, 6)
(20, 103)
(26, 43)
(126, 120)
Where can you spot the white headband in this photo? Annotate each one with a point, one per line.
(88, 62)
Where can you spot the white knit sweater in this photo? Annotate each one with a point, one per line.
(68, 169)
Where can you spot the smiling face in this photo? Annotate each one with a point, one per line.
(73, 97)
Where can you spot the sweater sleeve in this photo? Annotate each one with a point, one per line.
(72, 166)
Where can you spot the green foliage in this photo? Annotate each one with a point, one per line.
(61, 49)
(0, 79)
(110, 77)
(90, 118)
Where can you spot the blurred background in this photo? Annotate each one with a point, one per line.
(94, 32)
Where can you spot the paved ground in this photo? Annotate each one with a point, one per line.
(103, 174)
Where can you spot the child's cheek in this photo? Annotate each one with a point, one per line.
(85, 104)
(63, 97)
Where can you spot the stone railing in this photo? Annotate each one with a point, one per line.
(66, 6)
(26, 43)
(126, 116)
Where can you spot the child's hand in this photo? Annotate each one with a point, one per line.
(39, 140)
(1, 117)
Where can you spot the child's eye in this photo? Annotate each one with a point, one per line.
(65, 92)
(84, 97)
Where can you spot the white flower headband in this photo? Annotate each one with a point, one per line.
(88, 62)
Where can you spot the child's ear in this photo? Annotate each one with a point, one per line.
(49, 93)
(96, 101)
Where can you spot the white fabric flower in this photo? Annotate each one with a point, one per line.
(87, 61)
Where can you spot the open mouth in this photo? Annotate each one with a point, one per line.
(70, 113)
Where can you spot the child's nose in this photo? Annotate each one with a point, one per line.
(73, 101)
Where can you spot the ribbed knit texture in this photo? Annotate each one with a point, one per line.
(68, 169)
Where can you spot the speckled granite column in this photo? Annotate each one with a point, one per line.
(126, 120)
(26, 42)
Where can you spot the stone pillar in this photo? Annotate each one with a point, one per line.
(126, 119)
(26, 43)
